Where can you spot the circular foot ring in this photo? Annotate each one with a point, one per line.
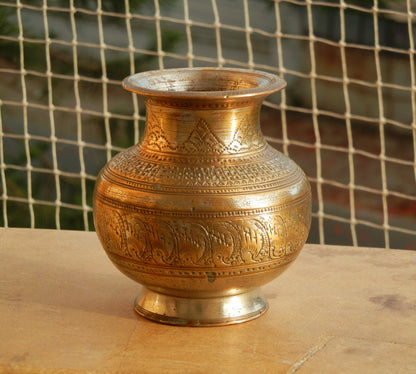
(214, 311)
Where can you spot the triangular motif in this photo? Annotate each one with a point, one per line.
(202, 140)
(156, 138)
(245, 137)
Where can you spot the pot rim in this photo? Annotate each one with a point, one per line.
(262, 83)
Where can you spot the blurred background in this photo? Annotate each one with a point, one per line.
(347, 117)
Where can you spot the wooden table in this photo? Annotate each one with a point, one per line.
(64, 308)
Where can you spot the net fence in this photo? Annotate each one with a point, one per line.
(348, 116)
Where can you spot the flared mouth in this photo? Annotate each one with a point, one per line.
(199, 83)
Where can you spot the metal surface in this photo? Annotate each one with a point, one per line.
(211, 311)
(203, 209)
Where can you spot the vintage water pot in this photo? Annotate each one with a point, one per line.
(203, 211)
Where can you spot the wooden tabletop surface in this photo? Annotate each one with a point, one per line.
(64, 308)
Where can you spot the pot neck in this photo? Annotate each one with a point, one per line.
(202, 127)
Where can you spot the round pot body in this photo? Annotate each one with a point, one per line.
(203, 211)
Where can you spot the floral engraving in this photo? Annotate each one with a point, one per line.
(215, 243)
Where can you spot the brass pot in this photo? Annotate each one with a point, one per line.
(203, 211)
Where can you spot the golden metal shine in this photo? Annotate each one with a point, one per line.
(202, 212)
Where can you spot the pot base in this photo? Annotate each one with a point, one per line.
(214, 311)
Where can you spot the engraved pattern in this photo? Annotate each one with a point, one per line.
(276, 172)
(225, 214)
(202, 139)
(266, 152)
(113, 236)
(246, 138)
(136, 266)
(156, 138)
(198, 104)
(203, 199)
(194, 243)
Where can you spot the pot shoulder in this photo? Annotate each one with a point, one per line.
(253, 180)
